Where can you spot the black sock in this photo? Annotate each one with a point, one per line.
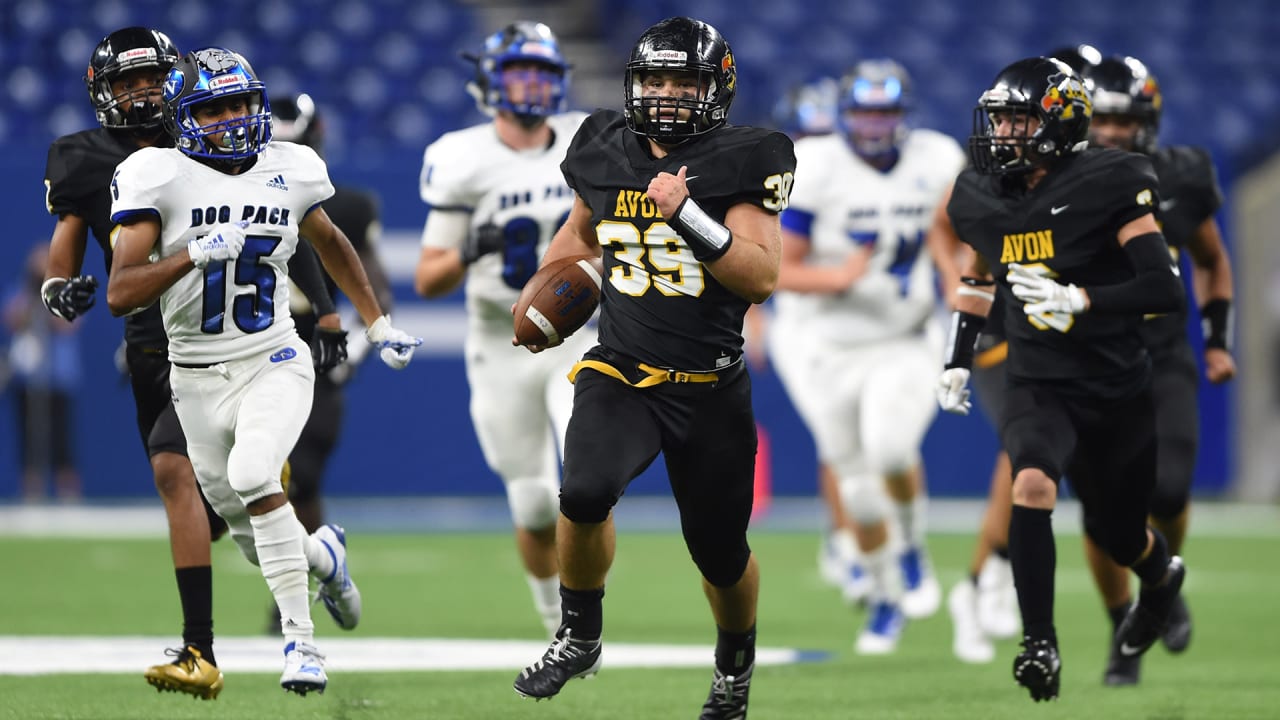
(1117, 614)
(1034, 558)
(582, 611)
(735, 651)
(1153, 567)
(195, 590)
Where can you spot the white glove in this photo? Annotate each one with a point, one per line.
(1043, 295)
(396, 345)
(224, 241)
(953, 391)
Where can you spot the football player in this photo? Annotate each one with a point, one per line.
(124, 79)
(684, 209)
(1126, 115)
(853, 332)
(207, 229)
(1068, 237)
(496, 196)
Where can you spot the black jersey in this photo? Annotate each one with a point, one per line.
(1067, 227)
(1189, 195)
(355, 212)
(77, 181)
(659, 304)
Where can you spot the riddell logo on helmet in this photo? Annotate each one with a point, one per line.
(137, 54)
(225, 80)
(671, 55)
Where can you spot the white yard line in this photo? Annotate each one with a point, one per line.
(44, 655)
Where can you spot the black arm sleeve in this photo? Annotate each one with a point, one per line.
(305, 271)
(962, 341)
(1155, 288)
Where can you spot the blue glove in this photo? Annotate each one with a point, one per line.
(396, 346)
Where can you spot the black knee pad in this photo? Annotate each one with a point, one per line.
(721, 563)
(584, 503)
(1126, 547)
(1169, 500)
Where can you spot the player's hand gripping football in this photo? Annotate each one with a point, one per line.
(395, 346)
(1043, 295)
(224, 241)
(69, 299)
(953, 391)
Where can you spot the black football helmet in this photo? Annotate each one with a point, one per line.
(687, 45)
(209, 74)
(1042, 88)
(120, 52)
(296, 119)
(1124, 86)
(1077, 57)
(528, 42)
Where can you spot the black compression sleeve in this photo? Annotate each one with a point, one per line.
(963, 339)
(1216, 321)
(1155, 287)
(306, 273)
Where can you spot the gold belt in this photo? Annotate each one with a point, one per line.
(653, 375)
(992, 356)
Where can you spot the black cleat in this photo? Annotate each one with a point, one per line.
(1122, 670)
(1146, 620)
(1177, 632)
(728, 698)
(1038, 669)
(565, 660)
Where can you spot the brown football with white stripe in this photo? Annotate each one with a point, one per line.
(558, 300)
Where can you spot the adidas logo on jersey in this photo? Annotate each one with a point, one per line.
(277, 182)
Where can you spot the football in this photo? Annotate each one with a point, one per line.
(558, 300)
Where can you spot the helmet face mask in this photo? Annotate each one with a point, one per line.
(1126, 103)
(521, 71)
(874, 99)
(1036, 111)
(679, 82)
(132, 54)
(214, 78)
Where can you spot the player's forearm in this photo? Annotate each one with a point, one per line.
(749, 269)
(439, 272)
(138, 286)
(343, 265)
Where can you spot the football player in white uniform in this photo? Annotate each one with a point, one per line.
(854, 332)
(207, 228)
(496, 196)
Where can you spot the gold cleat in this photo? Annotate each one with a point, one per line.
(189, 673)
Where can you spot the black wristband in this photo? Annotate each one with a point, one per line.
(707, 238)
(1215, 323)
(962, 341)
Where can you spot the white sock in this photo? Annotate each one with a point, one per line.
(319, 560)
(911, 518)
(279, 539)
(546, 598)
(886, 573)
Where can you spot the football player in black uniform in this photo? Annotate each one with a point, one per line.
(684, 209)
(1126, 106)
(124, 79)
(1069, 236)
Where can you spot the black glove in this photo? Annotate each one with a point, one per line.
(68, 299)
(328, 348)
(486, 239)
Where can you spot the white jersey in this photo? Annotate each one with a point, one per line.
(853, 204)
(521, 191)
(236, 309)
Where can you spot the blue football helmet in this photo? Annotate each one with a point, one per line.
(809, 108)
(875, 96)
(210, 74)
(520, 42)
